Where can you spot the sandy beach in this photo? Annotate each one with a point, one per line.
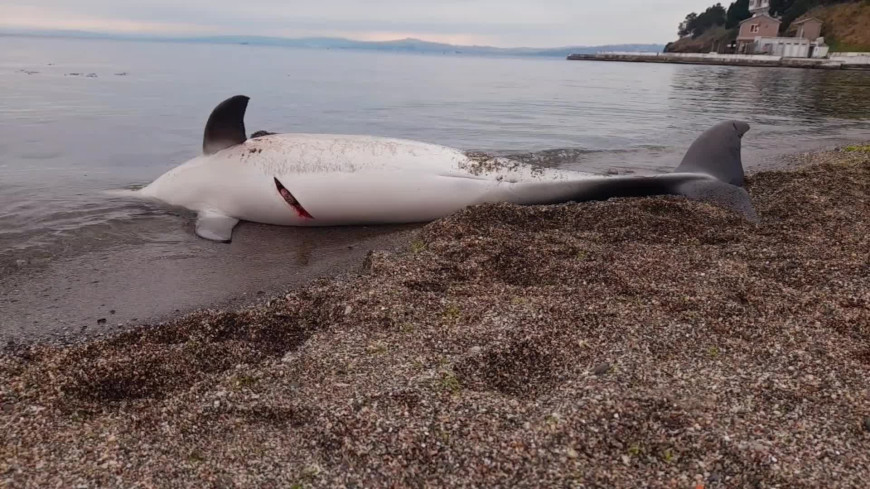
(652, 342)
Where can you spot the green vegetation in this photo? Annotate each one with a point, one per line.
(407, 327)
(417, 246)
(242, 380)
(712, 40)
(865, 148)
(195, 457)
(715, 16)
(844, 25)
(452, 313)
(737, 13)
(697, 25)
(449, 382)
(791, 10)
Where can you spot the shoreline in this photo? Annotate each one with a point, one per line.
(634, 341)
(760, 61)
(63, 299)
(108, 291)
(71, 297)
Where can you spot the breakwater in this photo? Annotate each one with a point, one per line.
(832, 63)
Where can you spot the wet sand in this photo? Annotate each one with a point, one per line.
(89, 294)
(651, 342)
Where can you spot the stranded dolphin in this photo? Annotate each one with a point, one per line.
(325, 180)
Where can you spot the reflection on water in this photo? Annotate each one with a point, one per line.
(774, 96)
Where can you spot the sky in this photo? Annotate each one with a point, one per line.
(503, 23)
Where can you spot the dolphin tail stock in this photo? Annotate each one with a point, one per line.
(711, 171)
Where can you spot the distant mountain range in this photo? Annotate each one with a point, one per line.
(403, 45)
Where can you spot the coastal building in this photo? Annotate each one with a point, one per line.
(759, 25)
(789, 47)
(759, 34)
(758, 7)
(809, 28)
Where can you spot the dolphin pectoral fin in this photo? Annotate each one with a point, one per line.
(215, 226)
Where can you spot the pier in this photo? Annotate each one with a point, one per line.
(846, 61)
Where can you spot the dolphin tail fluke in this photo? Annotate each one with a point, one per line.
(716, 153)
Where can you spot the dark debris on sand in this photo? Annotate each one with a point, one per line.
(650, 342)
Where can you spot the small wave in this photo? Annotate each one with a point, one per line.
(129, 191)
(81, 228)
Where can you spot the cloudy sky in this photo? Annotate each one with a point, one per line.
(507, 23)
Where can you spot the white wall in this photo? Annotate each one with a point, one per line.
(787, 47)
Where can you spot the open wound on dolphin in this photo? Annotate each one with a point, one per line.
(288, 197)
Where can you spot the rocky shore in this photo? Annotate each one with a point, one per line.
(650, 342)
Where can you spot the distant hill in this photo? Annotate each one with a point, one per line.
(402, 45)
(419, 46)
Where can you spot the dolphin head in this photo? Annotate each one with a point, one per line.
(231, 182)
(231, 179)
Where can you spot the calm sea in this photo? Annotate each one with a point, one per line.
(79, 116)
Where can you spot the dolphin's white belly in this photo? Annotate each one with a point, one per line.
(367, 180)
(385, 197)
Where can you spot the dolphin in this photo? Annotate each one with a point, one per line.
(328, 180)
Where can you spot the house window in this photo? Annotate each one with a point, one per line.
(753, 28)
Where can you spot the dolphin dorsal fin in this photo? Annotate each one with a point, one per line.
(226, 125)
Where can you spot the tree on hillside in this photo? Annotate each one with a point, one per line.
(686, 26)
(712, 17)
(779, 7)
(795, 10)
(737, 12)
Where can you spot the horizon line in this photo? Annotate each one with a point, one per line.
(42, 32)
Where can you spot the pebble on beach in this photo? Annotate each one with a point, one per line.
(650, 342)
